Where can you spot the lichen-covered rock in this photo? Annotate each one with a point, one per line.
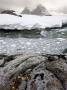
(59, 68)
(33, 72)
(4, 82)
(42, 79)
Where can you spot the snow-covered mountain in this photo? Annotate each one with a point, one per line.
(40, 10)
(8, 21)
(26, 11)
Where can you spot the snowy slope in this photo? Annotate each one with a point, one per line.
(30, 21)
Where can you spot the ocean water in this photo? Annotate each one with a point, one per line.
(52, 41)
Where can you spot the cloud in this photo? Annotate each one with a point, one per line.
(49, 4)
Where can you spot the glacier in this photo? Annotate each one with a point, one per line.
(30, 21)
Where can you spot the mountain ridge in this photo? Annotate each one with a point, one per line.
(39, 10)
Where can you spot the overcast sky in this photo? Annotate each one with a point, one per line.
(19, 4)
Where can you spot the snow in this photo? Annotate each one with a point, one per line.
(30, 21)
(6, 19)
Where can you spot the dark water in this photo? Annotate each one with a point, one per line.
(57, 33)
(19, 33)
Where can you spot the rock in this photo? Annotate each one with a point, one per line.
(44, 80)
(2, 62)
(59, 68)
(52, 58)
(21, 63)
(4, 87)
(34, 72)
(23, 85)
(4, 82)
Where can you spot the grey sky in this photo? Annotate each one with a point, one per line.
(19, 4)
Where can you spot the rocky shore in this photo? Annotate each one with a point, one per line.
(33, 72)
